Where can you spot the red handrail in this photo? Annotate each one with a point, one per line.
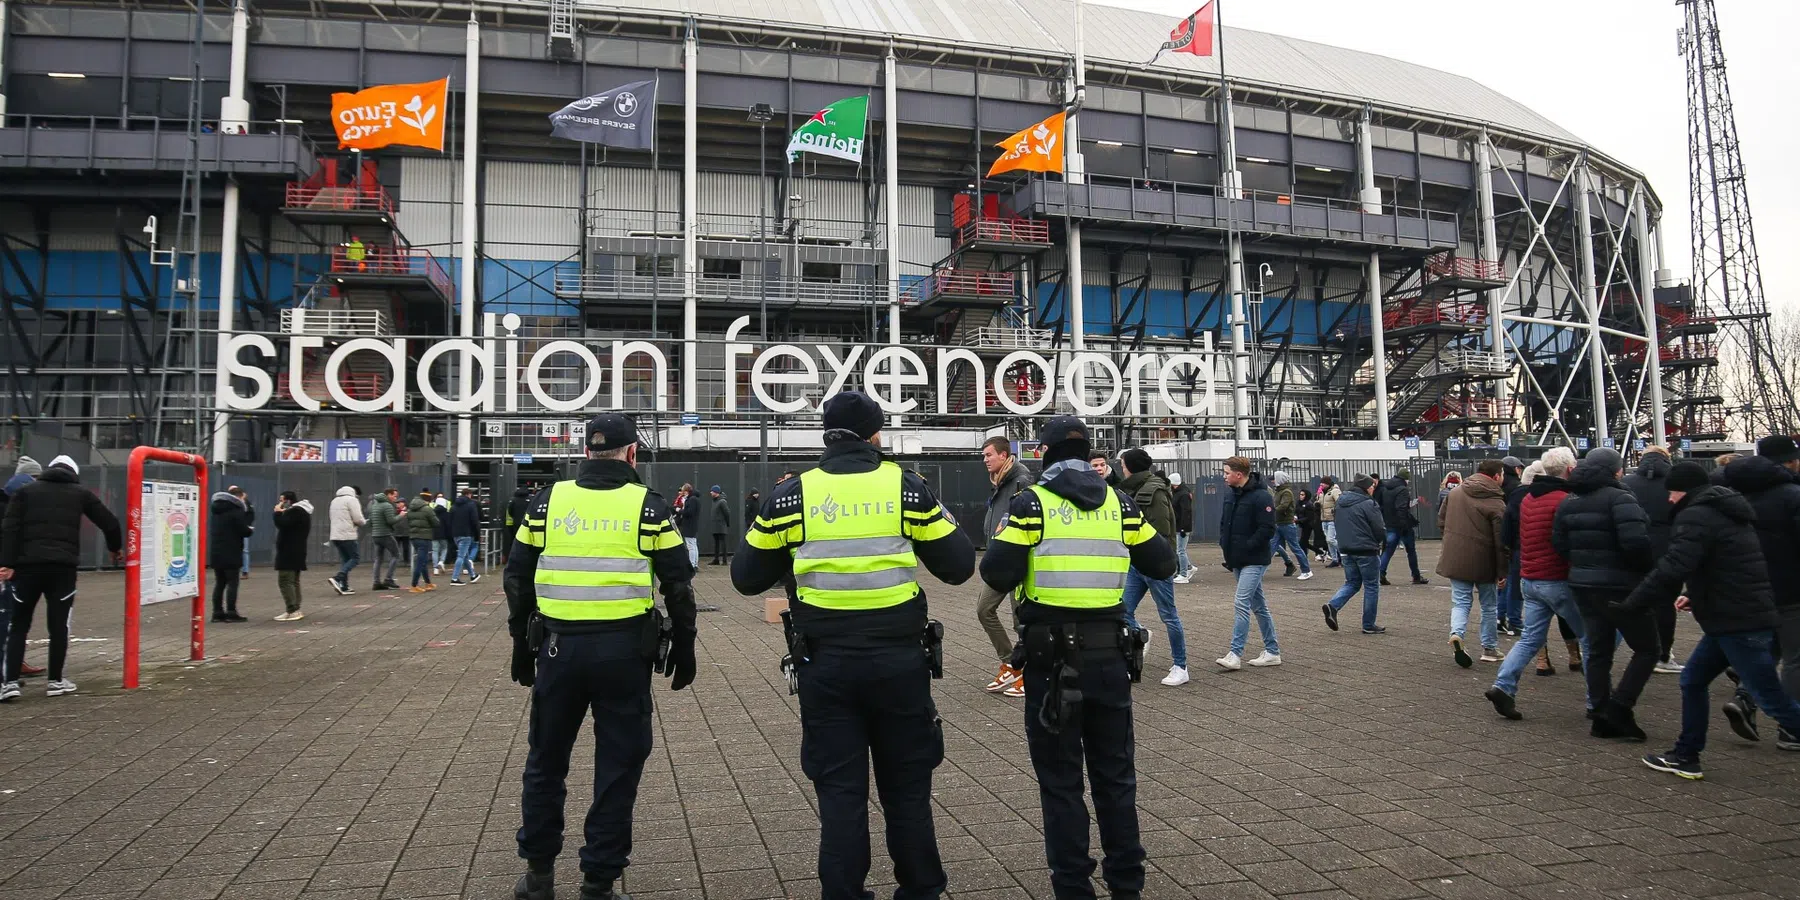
(1016, 231)
(338, 197)
(1416, 313)
(393, 260)
(1446, 266)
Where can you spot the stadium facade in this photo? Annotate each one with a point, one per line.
(1507, 271)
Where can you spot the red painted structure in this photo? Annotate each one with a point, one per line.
(134, 520)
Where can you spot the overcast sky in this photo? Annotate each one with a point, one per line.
(1606, 70)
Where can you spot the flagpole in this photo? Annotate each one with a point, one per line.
(1075, 173)
(1232, 181)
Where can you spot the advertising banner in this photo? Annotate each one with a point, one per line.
(357, 450)
(168, 569)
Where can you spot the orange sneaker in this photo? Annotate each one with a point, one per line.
(416, 589)
(1007, 677)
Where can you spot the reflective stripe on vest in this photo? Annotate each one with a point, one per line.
(591, 568)
(855, 556)
(1082, 559)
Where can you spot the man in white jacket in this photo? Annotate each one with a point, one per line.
(346, 518)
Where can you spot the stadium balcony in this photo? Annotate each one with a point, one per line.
(152, 145)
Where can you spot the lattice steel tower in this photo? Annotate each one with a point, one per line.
(1727, 274)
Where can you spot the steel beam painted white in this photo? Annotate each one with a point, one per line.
(1075, 173)
(471, 164)
(690, 201)
(1490, 251)
(890, 151)
(1590, 298)
(1640, 221)
(233, 109)
(1378, 343)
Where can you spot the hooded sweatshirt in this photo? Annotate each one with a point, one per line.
(1775, 496)
(1007, 561)
(346, 515)
(1714, 551)
(42, 526)
(1151, 493)
(227, 524)
(293, 533)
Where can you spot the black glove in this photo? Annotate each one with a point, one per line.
(681, 665)
(524, 663)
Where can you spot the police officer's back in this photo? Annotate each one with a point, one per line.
(586, 635)
(851, 532)
(1066, 545)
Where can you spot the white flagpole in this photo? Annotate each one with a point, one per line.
(1075, 173)
(1232, 181)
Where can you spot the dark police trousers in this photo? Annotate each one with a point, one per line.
(1105, 741)
(855, 703)
(608, 674)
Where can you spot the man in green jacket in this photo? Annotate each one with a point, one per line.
(421, 528)
(1150, 491)
(1287, 534)
(384, 527)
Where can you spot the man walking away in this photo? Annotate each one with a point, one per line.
(1247, 536)
(719, 517)
(346, 517)
(687, 520)
(515, 515)
(1603, 533)
(24, 472)
(1286, 532)
(752, 503)
(1151, 494)
(1359, 540)
(249, 519)
(1512, 605)
(1767, 480)
(422, 526)
(1329, 492)
(1714, 550)
(1649, 484)
(1009, 477)
(384, 525)
(1473, 558)
(440, 536)
(293, 535)
(40, 546)
(1543, 572)
(227, 527)
(1183, 495)
(465, 529)
(1397, 503)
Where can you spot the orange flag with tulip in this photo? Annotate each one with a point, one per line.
(1036, 149)
(388, 114)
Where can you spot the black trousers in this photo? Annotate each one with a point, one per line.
(1106, 744)
(1639, 630)
(55, 585)
(857, 704)
(607, 675)
(720, 552)
(225, 589)
(1665, 628)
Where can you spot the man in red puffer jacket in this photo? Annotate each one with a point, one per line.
(1543, 575)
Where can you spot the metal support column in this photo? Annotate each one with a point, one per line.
(1490, 251)
(1640, 233)
(1590, 298)
(471, 163)
(690, 200)
(890, 156)
(1075, 173)
(3, 29)
(1371, 202)
(234, 115)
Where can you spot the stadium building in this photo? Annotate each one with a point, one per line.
(1420, 255)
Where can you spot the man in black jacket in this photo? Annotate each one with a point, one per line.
(1360, 531)
(40, 547)
(1184, 527)
(227, 528)
(1246, 535)
(1603, 533)
(1714, 550)
(1767, 480)
(1396, 497)
(1649, 484)
(293, 528)
(515, 514)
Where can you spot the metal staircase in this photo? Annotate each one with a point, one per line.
(1438, 369)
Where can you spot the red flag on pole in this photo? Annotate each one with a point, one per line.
(1193, 35)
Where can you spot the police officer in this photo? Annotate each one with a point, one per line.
(1067, 544)
(851, 533)
(586, 635)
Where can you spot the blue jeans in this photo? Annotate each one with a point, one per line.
(465, 556)
(1163, 592)
(246, 568)
(349, 553)
(1394, 540)
(421, 572)
(1331, 547)
(1543, 599)
(1462, 596)
(1289, 536)
(6, 611)
(1181, 556)
(1250, 600)
(1752, 654)
(1512, 597)
(1360, 571)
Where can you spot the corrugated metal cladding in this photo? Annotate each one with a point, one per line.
(531, 211)
(920, 247)
(97, 228)
(1131, 36)
(428, 213)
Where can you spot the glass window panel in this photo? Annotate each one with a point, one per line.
(1194, 109)
(107, 23)
(442, 39)
(395, 36)
(617, 51)
(160, 26)
(814, 68)
(37, 20)
(720, 59)
(334, 34)
(912, 78)
(514, 44)
(857, 71)
(218, 28)
(1398, 139)
(1309, 126)
(1162, 105)
(766, 63)
(1002, 87)
(953, 81)
(659, 54)
(1537, 165)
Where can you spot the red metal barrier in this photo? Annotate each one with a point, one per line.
(389, 260)
(1012, 231)
(1417, 313)
(356, 385)
(337, 198)
(1446, 266)
(134, 514)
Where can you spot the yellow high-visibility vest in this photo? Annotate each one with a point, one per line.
(1082, 558)
(592, 566)
(856, 555)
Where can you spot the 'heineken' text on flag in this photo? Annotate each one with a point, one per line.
(1193, 35)
(837, 130)
(1036, 149)
(622, 117)
(410, 114)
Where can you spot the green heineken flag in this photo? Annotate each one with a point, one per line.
(837, 130)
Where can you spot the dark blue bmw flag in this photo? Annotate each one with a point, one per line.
(623, 117)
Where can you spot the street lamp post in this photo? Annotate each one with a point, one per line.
(762, 114)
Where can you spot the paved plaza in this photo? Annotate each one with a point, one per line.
(374, 750)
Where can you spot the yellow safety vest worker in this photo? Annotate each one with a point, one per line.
(594, 563)
(355, 251)
(1081, 556)
(856, 554)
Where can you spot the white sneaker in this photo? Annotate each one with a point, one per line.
(1669, 668)
(9, 692)
(59, 688)
(1267, 659)
(1230, 662)
(1180, 579)
(1305, 575)
(1192, 570)
(290, 617)
(1177, 676)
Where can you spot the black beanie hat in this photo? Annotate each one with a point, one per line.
(1688, 476)
(852, 411)
(1136, 460)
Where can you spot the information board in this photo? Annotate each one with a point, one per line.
(171, 521)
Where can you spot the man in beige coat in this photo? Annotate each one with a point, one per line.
(1470, 519)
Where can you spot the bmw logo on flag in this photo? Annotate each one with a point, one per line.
(625, 104)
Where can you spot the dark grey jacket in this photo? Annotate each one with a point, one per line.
(1360, 529)
(721, 516)
(1016, 479)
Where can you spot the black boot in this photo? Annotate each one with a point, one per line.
(538, 883)
(219, 614)
(594, 889)
(1290, 571)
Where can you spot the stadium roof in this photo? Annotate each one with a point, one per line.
(1123, 36)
